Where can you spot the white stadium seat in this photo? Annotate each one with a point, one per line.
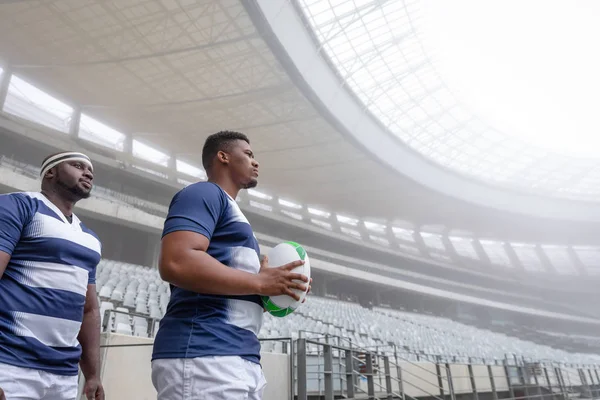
(139, 290)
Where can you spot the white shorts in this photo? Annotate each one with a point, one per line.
(24, 383)
(208, 378)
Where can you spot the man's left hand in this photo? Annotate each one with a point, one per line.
(93, 389)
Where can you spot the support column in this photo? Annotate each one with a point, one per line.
(74, 124)
(450, 248)
(328, 372)
(301, 368)
(577, 262)
(128, 144)
(4, 84)
(514, 259)
(420, 242)
(473, 381)
(128, 149)
(173, 167)
(493, 382)
(480, 251)
(544, 258)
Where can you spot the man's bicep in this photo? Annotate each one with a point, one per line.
(91, 301)
(4, 259)
(177, 253)
(181, 241)
(14, 214)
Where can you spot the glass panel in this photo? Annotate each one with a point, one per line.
(590, 258)
(150, 171)
(149, 153)
(320, 223)
(375, 227)
(293, 215)
(464, 247)
(184, 182)
(351, 232)
(403, 234)
(388, 55)
(408, 249)
(28, 102)
(260, 195)
(347, 220)
(560, 259)
(527, 254)
(379, 240)
(189, 169)
(96, 132)
(433, 241)
(496, 253)
(319, 213)
(260, 206)
(289, 204)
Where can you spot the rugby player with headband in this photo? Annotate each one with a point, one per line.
(49, 316)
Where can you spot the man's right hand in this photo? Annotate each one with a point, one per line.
(2, 396)
(280, 280)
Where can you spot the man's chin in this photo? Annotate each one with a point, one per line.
(251, 184)
(82, 194)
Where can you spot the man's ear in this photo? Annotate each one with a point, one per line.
(223, 157)
(50, 173)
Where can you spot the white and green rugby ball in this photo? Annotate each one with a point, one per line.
(285, 253)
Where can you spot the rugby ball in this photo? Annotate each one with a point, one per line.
(285, 253)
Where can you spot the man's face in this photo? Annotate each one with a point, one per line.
(76, 178)
(243, 166)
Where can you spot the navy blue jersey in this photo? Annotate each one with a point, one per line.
(195, 324)
(43, 290)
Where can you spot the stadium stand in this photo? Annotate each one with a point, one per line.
(139, 298)
(432, 247)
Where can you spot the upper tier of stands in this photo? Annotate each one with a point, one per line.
(132, 289)
(468, 252)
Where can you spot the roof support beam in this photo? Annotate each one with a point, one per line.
(545, 260)
(173, 167)
(128, 144)
(480, 251)
(512, 255)
(75, 122)
(577, 261)
(4, 84)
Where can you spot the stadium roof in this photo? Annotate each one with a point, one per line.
(165, 74)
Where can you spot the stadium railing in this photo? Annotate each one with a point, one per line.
(315, 365)
(341, 370)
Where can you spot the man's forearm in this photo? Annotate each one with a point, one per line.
(207, 275)
(89, 338)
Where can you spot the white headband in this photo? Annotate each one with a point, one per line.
(53, 161)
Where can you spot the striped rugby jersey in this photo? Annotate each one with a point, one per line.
(43, 290)
(196, 324)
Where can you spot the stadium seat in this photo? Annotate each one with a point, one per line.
(140, 291)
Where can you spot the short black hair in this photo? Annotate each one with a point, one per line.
(220, 141)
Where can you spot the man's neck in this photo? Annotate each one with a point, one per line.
(64, 205)
(229, 187)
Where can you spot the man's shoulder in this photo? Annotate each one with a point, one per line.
(204, 187)
(28, 200)
(21, 195)
(206, 191)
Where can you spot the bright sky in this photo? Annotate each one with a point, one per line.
(528, 68)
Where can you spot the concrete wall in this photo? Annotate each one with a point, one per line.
(126, 370)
